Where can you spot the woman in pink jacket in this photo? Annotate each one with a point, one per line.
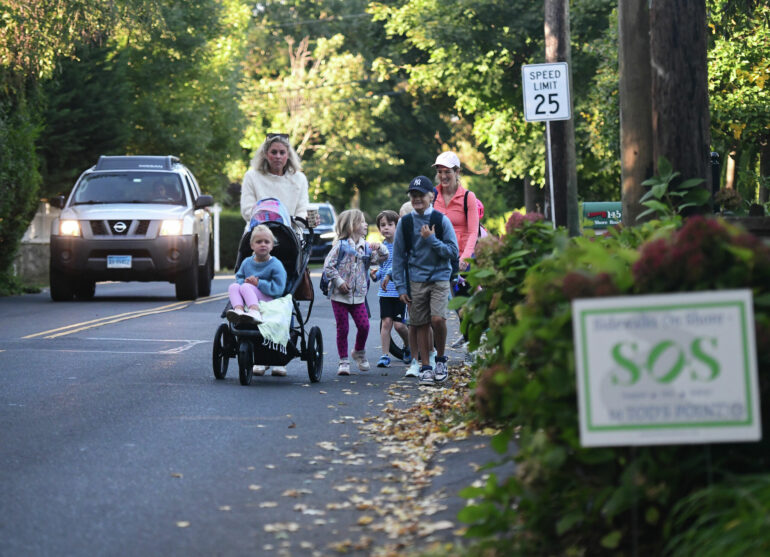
(452, 201)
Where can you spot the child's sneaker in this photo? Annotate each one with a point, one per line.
(254, 315)
(413, 370)
(258, 369)
(343, 368)
(426, 376)
(407, 358)
(433, 358)
(278, 371)
(384, 361)
(360, 357)
(235, 315)
(441, 373)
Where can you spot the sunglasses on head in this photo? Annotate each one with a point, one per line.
(280, 135)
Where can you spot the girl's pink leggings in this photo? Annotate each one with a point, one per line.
(360, 318)
(246, 295)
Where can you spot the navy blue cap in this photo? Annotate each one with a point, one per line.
(421, 184)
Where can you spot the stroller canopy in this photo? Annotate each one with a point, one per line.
(269, 209)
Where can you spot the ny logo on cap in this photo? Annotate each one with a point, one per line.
(417, 182)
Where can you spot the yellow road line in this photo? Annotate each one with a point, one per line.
(109, 320)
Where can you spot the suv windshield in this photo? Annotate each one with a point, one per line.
(130, 187)
(326, 215)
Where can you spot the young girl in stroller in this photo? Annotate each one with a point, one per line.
(260, 278)
(279, 334)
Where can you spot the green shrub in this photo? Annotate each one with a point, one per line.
(728, 519)
(19, 180)
(231, 227)
(563, 498)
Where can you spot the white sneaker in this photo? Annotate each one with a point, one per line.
(235, 315)
(259, 370)
(343, 368)
(278, 371)
(255, 315)
(413, 370)
(360, 357)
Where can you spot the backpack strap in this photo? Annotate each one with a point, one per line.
(436, 220)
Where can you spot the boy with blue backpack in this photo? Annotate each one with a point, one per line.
(424, 246)
(392, 309)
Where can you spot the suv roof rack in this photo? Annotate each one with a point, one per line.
(136, 162)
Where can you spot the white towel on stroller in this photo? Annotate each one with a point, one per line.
(276, 319)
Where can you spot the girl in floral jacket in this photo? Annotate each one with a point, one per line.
(347, 268)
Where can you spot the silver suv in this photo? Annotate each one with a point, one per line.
(133, 218)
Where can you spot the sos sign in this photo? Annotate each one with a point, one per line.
(546, 92)
(666, 369)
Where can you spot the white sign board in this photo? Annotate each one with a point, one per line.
(546, 92)
(666, 369)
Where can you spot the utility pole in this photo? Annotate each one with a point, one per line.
(636, 164)
(564, 168)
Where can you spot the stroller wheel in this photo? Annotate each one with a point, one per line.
(223, 340)
(315, 355)
(245, 370)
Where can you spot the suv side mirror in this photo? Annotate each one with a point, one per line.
(58, 201)
(203, 201)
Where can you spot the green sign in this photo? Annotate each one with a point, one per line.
(601, 214)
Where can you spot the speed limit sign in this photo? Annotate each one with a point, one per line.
(546, 92)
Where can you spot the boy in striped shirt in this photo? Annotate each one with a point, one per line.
(391, 307)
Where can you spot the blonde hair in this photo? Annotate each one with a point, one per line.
(262, 229)
(259, 162)
(405, 209)
(347, 221)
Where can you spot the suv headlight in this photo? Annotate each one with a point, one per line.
(69, 228)
(171, 228)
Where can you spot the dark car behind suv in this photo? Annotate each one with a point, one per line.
(132, 218)
(324, 232)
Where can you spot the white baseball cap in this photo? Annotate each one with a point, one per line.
(448, 159)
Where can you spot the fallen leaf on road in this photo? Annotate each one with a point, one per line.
(267, 504)
(254, 487)
(364, 520)
(225, 508)
(183, 524)
(176, 475)
(292, 425)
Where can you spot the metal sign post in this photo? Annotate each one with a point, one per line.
(546, 98)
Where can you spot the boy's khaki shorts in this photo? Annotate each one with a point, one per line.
(428, 299)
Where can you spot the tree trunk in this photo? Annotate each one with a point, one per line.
(680, 111)
(530, 196)
(764, 171)
(557, 49)
(635, 105)
(732, 156)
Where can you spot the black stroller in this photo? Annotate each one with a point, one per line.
(245, 342)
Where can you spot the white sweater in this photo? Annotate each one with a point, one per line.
(291, 189)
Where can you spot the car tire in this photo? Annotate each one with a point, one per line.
(187, 280)
(61, 287)
(205, 275)
(85, 290)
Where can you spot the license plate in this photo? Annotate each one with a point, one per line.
(118, 261)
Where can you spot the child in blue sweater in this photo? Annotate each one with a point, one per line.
(259, 278)
(392, 309)
(425, 244)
